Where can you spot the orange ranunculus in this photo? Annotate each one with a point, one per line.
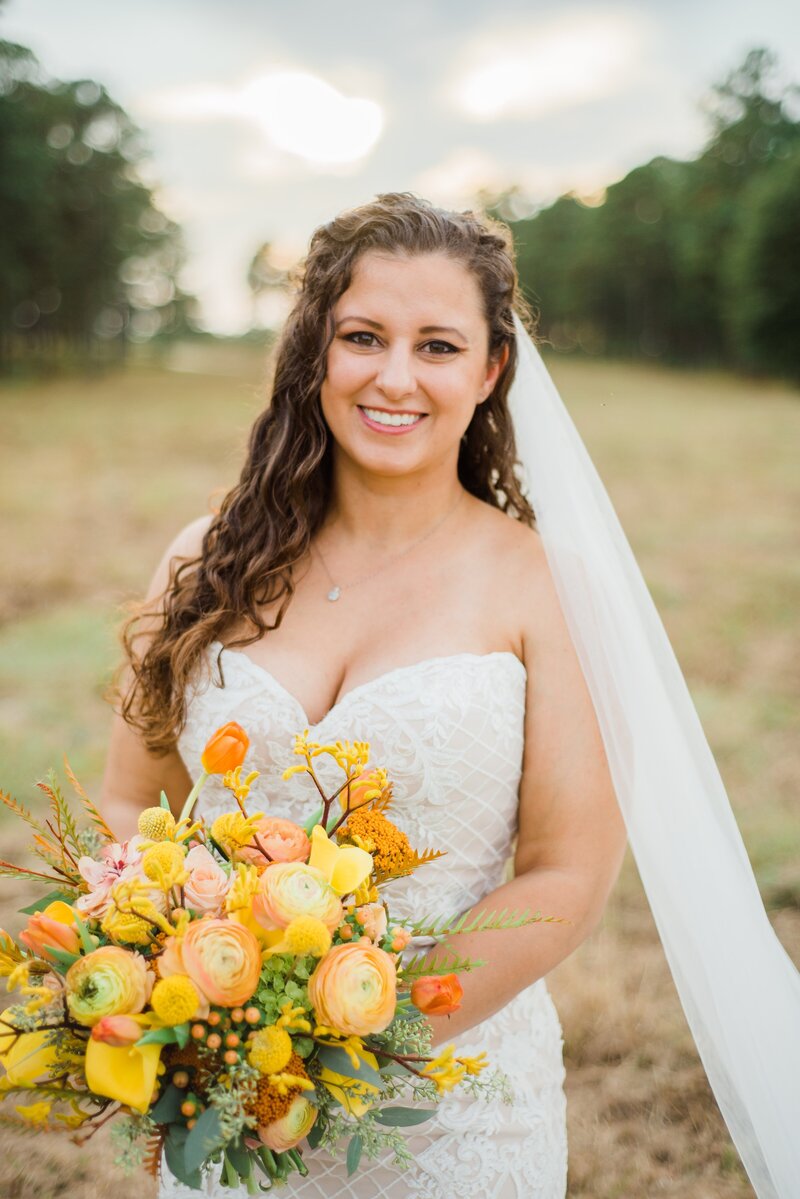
(287, 890)
(225, 749)
(354, 989)
(437, 994)
(283, 840)
(290, 1129)
(221, 957)
(52, 928)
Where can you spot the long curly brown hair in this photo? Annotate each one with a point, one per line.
(266, 522)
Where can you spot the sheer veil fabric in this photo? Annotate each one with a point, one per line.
(739, 989)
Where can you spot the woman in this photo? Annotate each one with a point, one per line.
(366, 582)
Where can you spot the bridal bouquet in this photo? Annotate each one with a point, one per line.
(231, 991)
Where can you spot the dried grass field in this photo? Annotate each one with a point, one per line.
(96, 476)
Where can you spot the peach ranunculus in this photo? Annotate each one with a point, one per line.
(52, 928)
(289, 1130)
(354, 989)
(437, 994)
(290, 889)
(221, 957)
(373, 917)
(225, 749)
(205, 889)
(283, 840)
(109, 981)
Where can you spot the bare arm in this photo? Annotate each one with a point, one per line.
(134, 777)
(571, 833)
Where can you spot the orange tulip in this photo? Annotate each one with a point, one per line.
(225, 749)
(437, 994)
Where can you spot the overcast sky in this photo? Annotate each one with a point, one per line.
(265, 119)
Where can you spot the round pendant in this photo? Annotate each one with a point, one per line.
(334, 593)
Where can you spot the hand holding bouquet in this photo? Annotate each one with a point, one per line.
(229, 992)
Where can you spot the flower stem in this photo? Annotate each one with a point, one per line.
(186, 810)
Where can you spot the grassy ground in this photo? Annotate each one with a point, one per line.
(97, 475)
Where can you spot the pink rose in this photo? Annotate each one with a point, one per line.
(283, 840)
(205, 889)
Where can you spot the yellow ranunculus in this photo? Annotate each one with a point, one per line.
(353, 1093)
(126, 1073)
(344, 866)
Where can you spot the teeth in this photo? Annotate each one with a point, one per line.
(386, 418)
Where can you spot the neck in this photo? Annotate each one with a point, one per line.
(386, 514)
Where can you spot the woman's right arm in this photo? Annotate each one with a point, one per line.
(134, 777)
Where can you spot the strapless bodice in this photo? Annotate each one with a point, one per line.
(449, 730)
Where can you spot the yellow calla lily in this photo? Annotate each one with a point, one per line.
(353, 1093)
(26, 1058)
(345, 866)
(126, 1073)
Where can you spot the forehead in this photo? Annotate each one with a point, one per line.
(425, 286)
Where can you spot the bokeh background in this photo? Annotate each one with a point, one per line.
(161, 170)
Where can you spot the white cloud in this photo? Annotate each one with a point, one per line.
(581, 55)
(297, 113)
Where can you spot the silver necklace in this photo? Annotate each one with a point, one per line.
(337, 588)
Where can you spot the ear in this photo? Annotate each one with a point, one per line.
(493, 373)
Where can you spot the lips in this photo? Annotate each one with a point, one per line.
(393, 430)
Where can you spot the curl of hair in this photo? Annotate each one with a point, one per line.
(266, 522)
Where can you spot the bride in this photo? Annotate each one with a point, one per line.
(378, 574)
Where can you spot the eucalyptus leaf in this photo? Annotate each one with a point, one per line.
(168, 1107)
(403, 1117)
(315, 1135)
(174, 1151)
(337, 1060)
(203, 1140)
(240, 1158)
(354, 1153)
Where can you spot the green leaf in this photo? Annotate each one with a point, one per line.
(239, 1158)
(40, 904)
(165, 801)
(315, 1135)
(62, 958)
(88, 942)
(403, 1117)
(158, 1036)
(312, 820)
(302, 1046)
(182, 1033)
(337, 1060)
(203, 1140)
(168, 1107)
(175, 1153)
(354, 1153)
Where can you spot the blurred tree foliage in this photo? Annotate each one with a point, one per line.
(694, 261)
(88, 263)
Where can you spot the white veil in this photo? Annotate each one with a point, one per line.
(739, 989)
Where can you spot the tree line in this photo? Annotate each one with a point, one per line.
(691, 262)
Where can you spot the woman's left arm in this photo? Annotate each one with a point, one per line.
(572, 836)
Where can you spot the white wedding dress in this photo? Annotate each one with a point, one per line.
(450, 732)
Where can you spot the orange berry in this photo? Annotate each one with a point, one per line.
(232, 1039)
(198, 1031)
(230, 1057)
(214, 1040)
(346, 932)
(188, 1107)
(190, 1123)
(213, 1018)
(252, 1015)
(237, 1015)
(180, 1079)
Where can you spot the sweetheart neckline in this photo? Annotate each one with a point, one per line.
(380, 678)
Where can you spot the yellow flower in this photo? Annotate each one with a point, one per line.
(175, 999)
(474, 1065)
(353, 1093)
(35, 1113)
(445, 1070)
(303, 935)
(109, 981)
(233, 830)
(290, 889)
(344, 866)
(25, 1056)
(126, 1073)
(157, 824)
(392, 851)
(240, 787)
(164, 865)
(270, 1049)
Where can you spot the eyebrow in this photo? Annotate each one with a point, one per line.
(423, 328)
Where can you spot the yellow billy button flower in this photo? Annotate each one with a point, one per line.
(270, 1049)
(157, 824)
(175, 1000)
(344, 866)
(303, 935)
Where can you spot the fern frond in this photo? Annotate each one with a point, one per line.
(16, 807)
(384, 800)
(152, 1153)
(93, 812)
(409, 866)
(417, 967)
(450, 926)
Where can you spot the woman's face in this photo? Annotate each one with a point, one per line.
(410, 341)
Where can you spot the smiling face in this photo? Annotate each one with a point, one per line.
(411, 343)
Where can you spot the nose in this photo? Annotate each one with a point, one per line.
(395, 377)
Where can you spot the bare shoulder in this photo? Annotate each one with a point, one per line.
(185, 546)
(529, 581)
